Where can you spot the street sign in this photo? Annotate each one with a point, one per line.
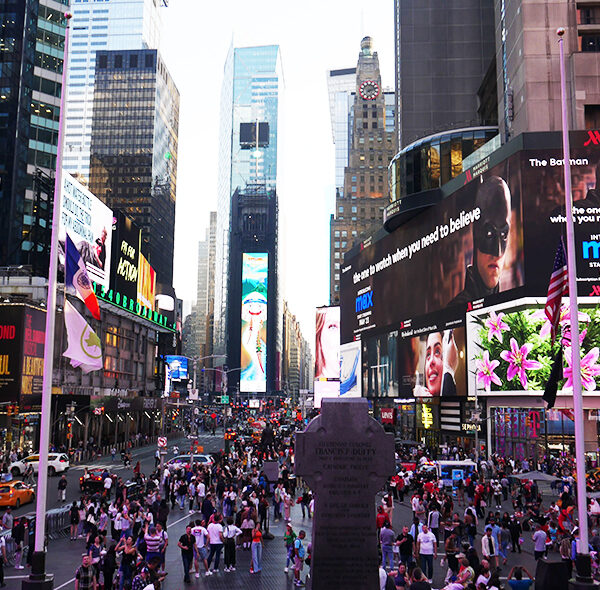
(224, 399)
(162, 442)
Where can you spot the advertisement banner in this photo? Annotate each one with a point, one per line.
(350, 369)
(22, 330)
(327, 354)
(253, 361)
(88, 221)
(177, 367)
(146, 288)
(126, 240)
(467, 247)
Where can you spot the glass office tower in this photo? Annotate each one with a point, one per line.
(32, 45)
(133, 164)
(100, 25)
(251, 94)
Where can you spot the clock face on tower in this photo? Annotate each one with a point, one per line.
(369, 90)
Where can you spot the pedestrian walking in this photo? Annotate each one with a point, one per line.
(387, 539)
(62, 488)
(230, 534)
(186, 544)
(288, 538)
(427, 551)
(256, 550)
(299, 555)
(215, 539)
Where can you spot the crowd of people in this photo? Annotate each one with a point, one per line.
(126, 539)
(466, 526)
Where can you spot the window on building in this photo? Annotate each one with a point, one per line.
(589, 43)
(102, 61)
(354, 233)
(337, 266)
(118, 61)
(337, 276)
(336, 255)
(344, 233)
(336, 244)
(149, 63)
(365, 125)
(373, 126)
(336, 233)
(344, 244)
(354, 209)
(592, 116)
(133, 60)
(341, 209)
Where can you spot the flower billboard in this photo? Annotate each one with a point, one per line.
(512, 349)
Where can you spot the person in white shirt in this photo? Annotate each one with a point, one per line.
(230, 533)
(200, 493)
(427, 551)
(215, 539)
(488, 547)
(201, 551)
(107, 485)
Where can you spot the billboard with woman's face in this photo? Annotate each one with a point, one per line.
(327, 354)
(253, 361)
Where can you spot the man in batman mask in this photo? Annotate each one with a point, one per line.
(490, 238)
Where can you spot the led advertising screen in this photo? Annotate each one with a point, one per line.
(468, 246)
(88, 221)
(177, 367)
(513, 352)
(327, 354)
(350, 367)
(492, 239)
(146, 287)
(126, 240)
(433, 365)
(255, 277)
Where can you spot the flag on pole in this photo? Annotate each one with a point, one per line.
(557, 288)
(76, 277)
(85, 348)
(556, 374)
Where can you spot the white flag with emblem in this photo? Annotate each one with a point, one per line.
(85, 348)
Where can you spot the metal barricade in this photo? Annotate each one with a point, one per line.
(57, 522)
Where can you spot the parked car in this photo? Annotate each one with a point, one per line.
(57, 463)
(16, 493)
(183, 460)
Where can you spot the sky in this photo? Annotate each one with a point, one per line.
(314, 36)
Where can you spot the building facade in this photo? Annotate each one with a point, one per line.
(254, 321)
(296, 373)
(443, 51)
(360, 203)
(32, 64)
(248, 150)
(100, 25)
(134, 147)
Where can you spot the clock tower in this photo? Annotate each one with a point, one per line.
(372, 145)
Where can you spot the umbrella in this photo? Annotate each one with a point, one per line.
(535, 476)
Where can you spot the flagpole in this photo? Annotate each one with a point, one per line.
(38, 578)
(583, 563)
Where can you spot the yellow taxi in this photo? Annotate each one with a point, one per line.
(15, 493)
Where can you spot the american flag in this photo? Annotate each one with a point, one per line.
(557, 288)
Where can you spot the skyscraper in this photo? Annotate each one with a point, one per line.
(100, 25)
(443, 51)
(248, 149)
(360, 202)
(33, 34)
(341, 86)
(133, 164)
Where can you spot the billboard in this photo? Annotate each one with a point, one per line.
(253, 361)
(177, 367)
(146, 287)
(22, 332)
(350, 370)
(433, 365)
(126, 240)
(88, 221)
(513, 352)
(327, 354)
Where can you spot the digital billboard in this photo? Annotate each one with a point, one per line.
(467, 247)
(22, 331)
(177, 367)
(513, 353)
(492, 239)
(88, 221)
(350, 367)
(126, 240)
(253, 361)
(327, 354)
(146, 287)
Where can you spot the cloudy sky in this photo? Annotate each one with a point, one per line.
(314, 36)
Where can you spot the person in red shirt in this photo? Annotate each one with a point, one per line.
(380, 518)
